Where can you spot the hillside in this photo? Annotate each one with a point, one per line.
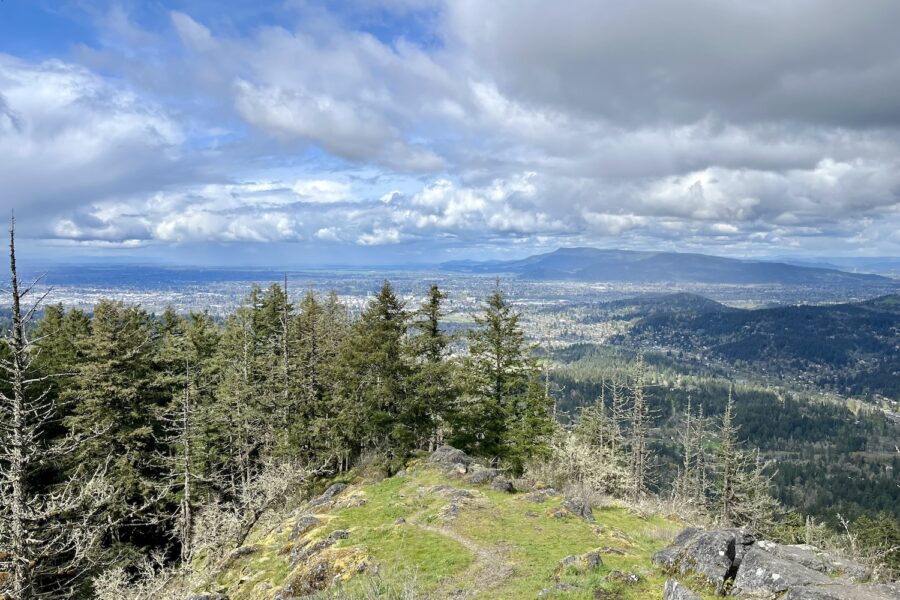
(592, 264)
(445, 536)
(849, 348)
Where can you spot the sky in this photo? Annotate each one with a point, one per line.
(415, 131)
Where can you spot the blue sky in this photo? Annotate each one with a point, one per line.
(306, 133)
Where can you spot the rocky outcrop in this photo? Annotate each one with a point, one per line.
(734, 562)
(764, 573)
(303, 525)
(713, 555)
(328, 495)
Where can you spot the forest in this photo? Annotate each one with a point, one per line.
(131, 437)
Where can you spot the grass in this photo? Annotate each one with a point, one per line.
(498, 546)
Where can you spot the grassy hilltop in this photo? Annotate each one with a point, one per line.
(424, 533)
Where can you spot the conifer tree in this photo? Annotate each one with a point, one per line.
(435, 391)
(506, 413)
(116, 406)
(189, 376)
(374, 377)
(728, 461)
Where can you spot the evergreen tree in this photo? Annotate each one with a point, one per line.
(639, 454)
(506, 412)
(375, 378)
(117, 403)
(435, 390)
(188, 374)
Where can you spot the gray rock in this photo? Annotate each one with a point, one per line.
(817, 559)
(481, 475)
(593, 560)
(328, 494)
(579, 507)
(715, 555)
(844, 592)
(448, 457)
(303, 525)
(763, 573)
(501, 484)
(674, 590)
(339, 534)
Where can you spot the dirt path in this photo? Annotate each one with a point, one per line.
(488, 570)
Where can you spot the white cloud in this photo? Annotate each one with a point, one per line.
(380, 236)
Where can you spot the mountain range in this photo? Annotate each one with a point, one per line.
(593, 264)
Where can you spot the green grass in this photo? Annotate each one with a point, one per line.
(491, 529)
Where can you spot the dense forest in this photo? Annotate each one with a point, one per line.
(129, 436)
(850, 349)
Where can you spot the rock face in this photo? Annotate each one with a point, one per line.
(765, 573)
(673, 590)
(732, 560)
(714, 555)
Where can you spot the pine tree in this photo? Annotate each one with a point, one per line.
(435, 391)
(374, 378)
(506, 414)
(116, 406)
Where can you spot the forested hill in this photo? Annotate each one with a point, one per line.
(850, 348)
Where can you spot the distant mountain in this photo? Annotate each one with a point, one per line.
(592, 264)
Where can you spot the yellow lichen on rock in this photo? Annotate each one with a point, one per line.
(326, 568)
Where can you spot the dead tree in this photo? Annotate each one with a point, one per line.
(48, 534)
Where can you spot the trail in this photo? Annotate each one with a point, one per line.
(488, 570)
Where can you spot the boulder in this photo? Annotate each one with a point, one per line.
(714, 555)
(844, 592)
(538, 496)
(450, 458)
(624, 578)
(763, 573)
(501, 484)
(481, 475)
(583, 563)
(579, 507)
(674, 590)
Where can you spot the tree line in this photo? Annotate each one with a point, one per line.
(127, 434)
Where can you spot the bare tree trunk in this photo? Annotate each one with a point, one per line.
(21, 435)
